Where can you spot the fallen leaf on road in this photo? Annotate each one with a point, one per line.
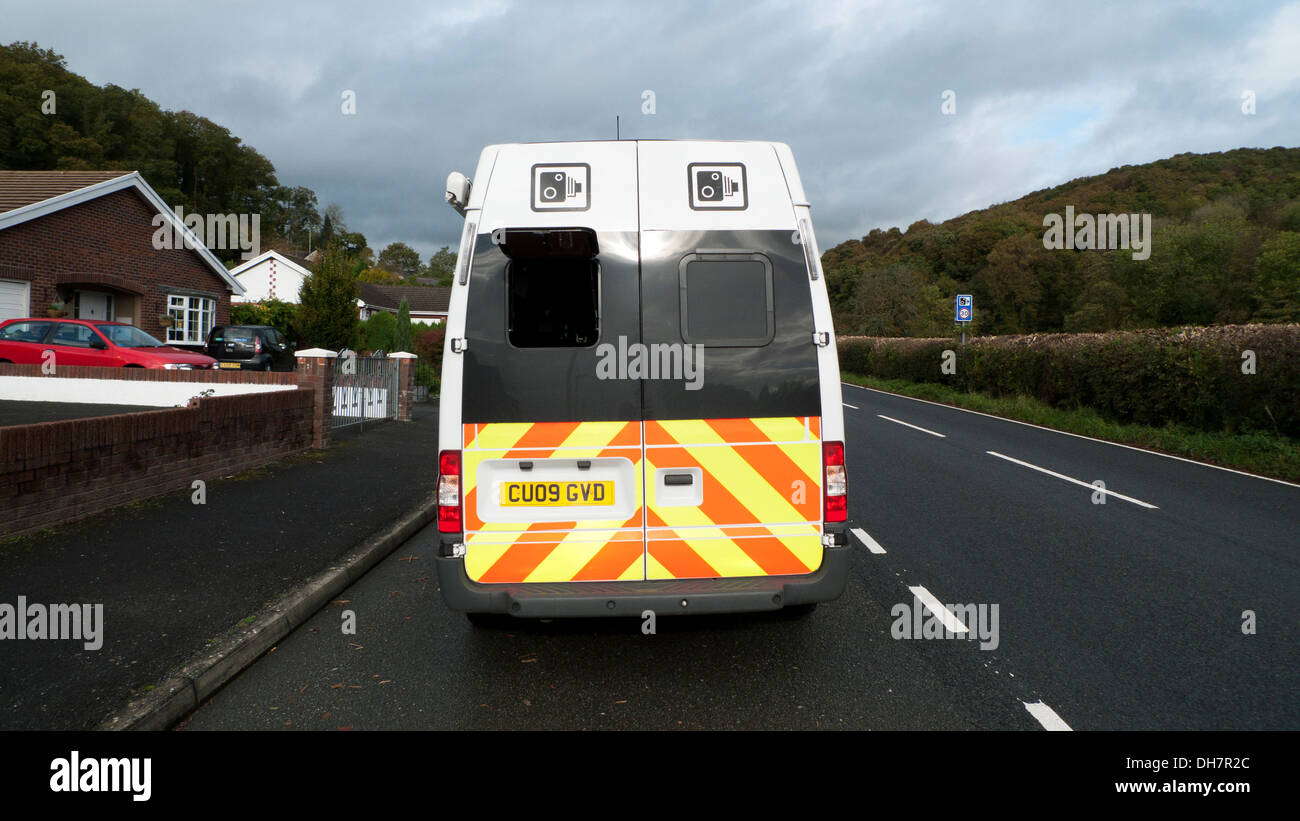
(354, 645)
(527, 661)
(409, 559)
(341, 602)
(386, 681)
(336, 686)
(527, 703)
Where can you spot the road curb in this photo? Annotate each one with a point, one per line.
(181, 693)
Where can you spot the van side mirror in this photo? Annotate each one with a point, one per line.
(457, 196)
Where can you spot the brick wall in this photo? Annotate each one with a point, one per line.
(107, 243)
(156, 374)
(55, 472)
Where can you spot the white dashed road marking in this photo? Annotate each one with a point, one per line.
(872, 544)
(1092, 487)
(1046, 716)
(910, 425)
(943, 614)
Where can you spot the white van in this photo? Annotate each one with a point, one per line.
(640, 401)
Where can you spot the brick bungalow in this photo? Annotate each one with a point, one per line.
(86, 238)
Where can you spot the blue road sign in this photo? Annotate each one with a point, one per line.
(963, 311)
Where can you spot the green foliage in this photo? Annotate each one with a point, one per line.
(1190, 376)
(442, 266)
(283, 316)
(1277, 270)
(327, 313)
(378, 331)
(403, 333)
(400, 259)
(1219, 254)
(379, 276)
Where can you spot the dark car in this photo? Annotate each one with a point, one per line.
(250, 348)
(88, 342)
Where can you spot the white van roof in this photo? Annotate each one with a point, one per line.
(759, 185)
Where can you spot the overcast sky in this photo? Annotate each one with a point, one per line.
(1045, 92)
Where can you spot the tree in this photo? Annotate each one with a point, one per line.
(1278, 277)
(402, 335)
(377, 332)
(442, 266)
(327, 315)
(379, 276)
(401, 259)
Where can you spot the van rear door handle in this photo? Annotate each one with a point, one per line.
(678, 479)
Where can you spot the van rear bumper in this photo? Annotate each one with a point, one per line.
(673, 597)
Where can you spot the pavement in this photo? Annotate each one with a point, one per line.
(1114, 616)
(15, 412)
(175, 577)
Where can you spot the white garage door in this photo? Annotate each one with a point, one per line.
(13, 299)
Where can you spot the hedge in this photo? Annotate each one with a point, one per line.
(1191, 375)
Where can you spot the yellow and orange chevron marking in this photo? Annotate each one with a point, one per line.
(762, 505)
(553, 551)
(761, 510)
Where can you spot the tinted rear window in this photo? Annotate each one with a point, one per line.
(234, 335)
(554, 303)
(726, 299)
(24, 331)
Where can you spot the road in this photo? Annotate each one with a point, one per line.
(1126, 614)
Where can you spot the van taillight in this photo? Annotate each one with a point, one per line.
(449, 520)
(836, 482)
(257, 344)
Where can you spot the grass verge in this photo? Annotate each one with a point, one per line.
(1262, 453)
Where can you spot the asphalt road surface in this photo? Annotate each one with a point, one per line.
(1126, 614)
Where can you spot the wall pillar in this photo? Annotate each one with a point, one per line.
(316, 373)
(405, 383)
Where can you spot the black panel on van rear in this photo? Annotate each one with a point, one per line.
(745, 296)
(549, 372)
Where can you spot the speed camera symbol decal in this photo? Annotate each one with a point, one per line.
(561, 187)
(717, 186)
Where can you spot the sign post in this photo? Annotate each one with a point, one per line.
(963, 312)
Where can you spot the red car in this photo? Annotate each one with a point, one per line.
(86, 342)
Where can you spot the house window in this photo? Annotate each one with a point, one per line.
(192, 318)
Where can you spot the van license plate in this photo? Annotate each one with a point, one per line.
(230, 364)
(556, 494)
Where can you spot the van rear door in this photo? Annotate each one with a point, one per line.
(733, 465)
(552, 443)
